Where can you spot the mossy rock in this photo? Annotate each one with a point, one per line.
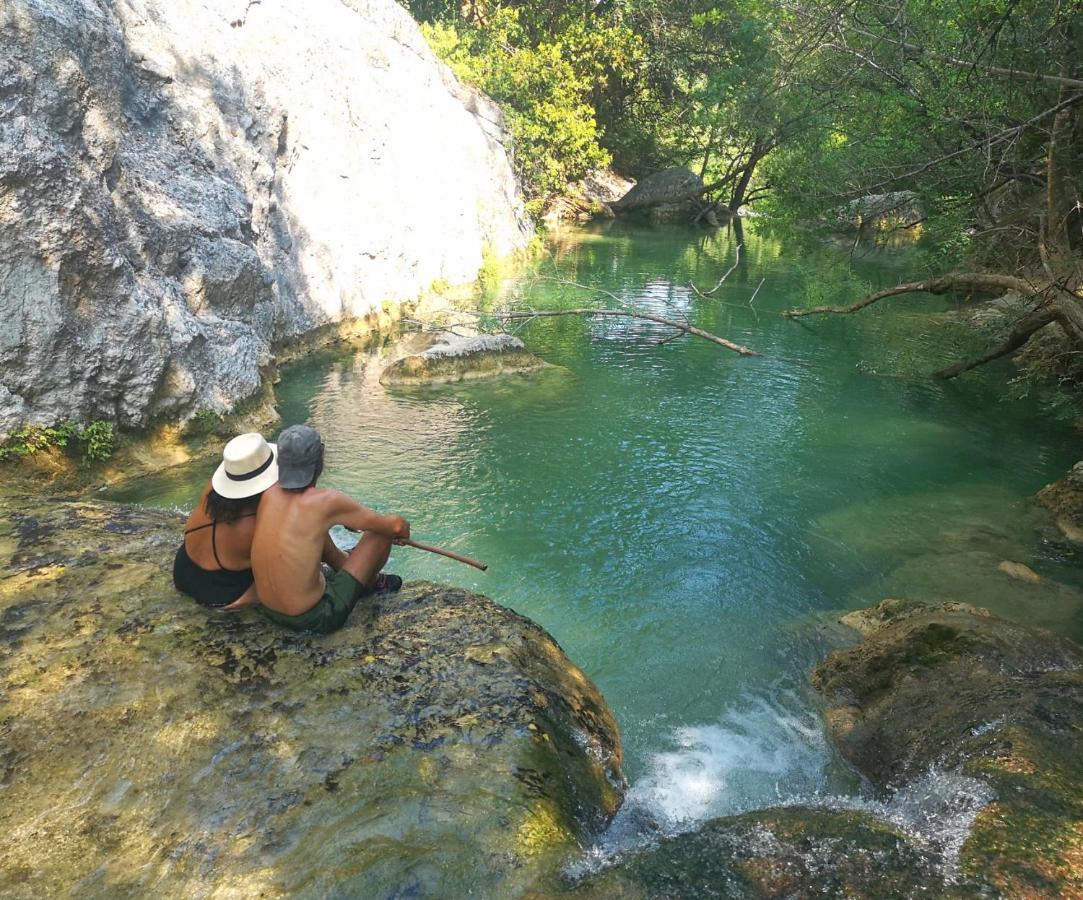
(438, 745)
(1064, 498)
(449, 358)
(952, 687)
(793, 852)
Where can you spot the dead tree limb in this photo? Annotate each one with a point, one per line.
(946, 284)
(1019, 335)
(626, 314)
(729, 271)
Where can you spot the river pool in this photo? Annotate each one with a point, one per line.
(688, 523)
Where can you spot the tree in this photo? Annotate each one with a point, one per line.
(973, 106)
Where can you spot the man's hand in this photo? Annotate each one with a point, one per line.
(399, 530)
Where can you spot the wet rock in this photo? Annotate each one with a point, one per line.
(438, 745)
(795, 852)
(671, 195)
(1064, 498)
(189, 189)
(880, 212)
(449, 357)
(590, 197)
(947, 686)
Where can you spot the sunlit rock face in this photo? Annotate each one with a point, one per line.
(438, 746)
(187, 186)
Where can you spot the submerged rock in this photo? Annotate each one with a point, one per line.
(954, 688)
(437, 746)
(187, 189)
(450, 357)
(1064, 498)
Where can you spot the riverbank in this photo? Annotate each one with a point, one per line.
(439, 743)
(442, 744)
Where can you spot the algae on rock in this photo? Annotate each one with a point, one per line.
(439, 744)
(952, 687)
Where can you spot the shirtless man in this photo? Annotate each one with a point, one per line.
(291, 539)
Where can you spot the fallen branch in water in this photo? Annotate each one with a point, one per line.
(627, 314)
(729, 271)
(947, 284)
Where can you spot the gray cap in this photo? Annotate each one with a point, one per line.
(300, 451)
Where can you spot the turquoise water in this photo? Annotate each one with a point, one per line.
(688, 523)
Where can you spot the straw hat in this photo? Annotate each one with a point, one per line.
(249, 466)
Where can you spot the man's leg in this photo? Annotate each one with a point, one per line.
(367, 559)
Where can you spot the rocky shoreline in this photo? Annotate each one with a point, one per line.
(439, 745)
(442, 744)
(943, 689)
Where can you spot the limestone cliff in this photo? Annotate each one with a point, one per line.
(187, 186)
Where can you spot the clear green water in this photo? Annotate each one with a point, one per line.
(688, 523)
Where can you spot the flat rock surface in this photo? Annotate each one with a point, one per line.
(450, 357)
(438, 744)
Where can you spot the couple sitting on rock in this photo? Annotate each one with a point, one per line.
(260, 532)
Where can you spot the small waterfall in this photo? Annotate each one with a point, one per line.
(767, 751)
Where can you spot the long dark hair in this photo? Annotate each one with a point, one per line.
(224, 510)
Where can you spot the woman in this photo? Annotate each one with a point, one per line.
(212, 565)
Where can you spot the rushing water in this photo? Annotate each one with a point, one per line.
(687, 522)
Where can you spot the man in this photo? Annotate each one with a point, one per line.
(291, 539)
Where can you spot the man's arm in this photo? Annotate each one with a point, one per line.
(343, 510)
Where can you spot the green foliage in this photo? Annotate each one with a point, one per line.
(94, 443)
(544, 86)
(203, 423)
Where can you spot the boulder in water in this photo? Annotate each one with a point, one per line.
(671, 195)
(880, 212)
(1064, 498)
(449, 357)
(948, 687)
(438, 745)
(791, 852)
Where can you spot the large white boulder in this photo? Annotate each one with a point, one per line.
(188, 185)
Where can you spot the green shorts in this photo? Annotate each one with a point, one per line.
(331, 610)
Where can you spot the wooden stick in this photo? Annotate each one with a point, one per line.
(448, 553)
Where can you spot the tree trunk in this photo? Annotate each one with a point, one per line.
(740, 189)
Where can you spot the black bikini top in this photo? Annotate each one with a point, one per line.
(213, 526)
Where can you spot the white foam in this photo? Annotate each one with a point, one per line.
(760, 753)
(772, 751)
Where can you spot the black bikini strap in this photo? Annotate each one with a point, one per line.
(214, 546)
(199, 527)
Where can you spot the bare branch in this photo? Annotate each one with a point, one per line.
(755, 292)
(729, 271)
(627, 314)
(1015, 339)
(946, 284)
(971, 64)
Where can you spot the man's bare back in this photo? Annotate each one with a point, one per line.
(291, 539)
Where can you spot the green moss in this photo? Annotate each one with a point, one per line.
(94, 443)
